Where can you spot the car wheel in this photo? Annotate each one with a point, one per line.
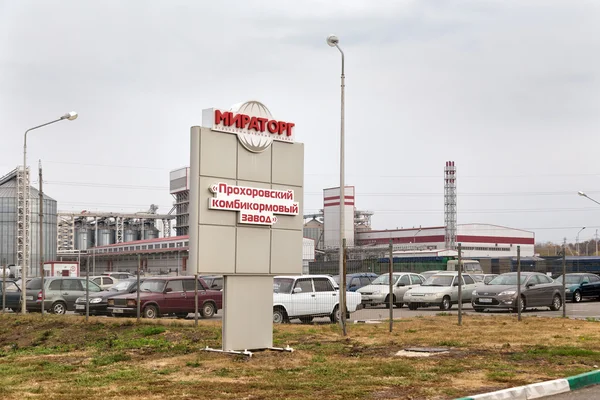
(306, 320)
(208, 310)
(446, 304)
(399, 305)
(523, 305)
(478, 309)
(335, 315)
(279, 316)
(387, 301)
(150, 312)
(577, 296)
(59, 308)
(413, 306)
(556, 303)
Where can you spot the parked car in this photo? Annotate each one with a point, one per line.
(427, 274)
(104, 281)
(99, 301)
(580, 285)
(378, 291)
(485, 278)
(213, 281)
(357, 280)
(120, 275)
(168, 295)
(308, 296)
(60, 293)
(537, 290)
(440, 289)
(12, 294)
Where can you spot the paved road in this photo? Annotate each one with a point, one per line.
(587, 393)
(586, 309)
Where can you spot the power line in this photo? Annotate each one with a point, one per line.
(106, 165)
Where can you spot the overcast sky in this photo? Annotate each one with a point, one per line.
(509, 90)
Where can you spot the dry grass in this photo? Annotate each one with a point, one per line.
(64, 358)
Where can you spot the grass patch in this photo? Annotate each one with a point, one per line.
(152, 330)
(150, 360)
(110, 359)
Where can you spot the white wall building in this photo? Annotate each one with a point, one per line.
(477, 240)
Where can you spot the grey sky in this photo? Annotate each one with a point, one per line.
(509, 90)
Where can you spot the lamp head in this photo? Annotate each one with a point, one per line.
(582, 194)
(332, 40)
(70, 116)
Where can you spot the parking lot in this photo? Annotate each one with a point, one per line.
(585, 309)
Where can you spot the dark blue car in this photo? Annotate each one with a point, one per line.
(12, 295)
(581, 285)
(357, 280)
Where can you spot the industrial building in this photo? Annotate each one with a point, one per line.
(9, 212)
(493, 245)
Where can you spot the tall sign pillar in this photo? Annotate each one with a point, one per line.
(246, 195)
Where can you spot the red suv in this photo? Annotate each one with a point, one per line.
(168, 295)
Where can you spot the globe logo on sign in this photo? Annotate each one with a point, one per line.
(253, 142)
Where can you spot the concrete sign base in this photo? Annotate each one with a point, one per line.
(248, 324)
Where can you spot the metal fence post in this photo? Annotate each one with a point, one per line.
(564, 274)
(87, 289)
(196, 300)
(391, 272)
(137, 303)
(460, 283)
(3, 285)
(519, 305)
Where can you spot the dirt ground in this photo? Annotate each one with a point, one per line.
(62, 357)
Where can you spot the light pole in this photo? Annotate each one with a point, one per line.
(69, 116)
(577, 243)
(582, 194)
(577, 240)
(333, 41)
(415, 247)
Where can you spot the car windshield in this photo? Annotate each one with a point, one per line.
(119, 287)
(384, 279)
(34, 284)
(438, 280)
(282, 285)
(336, 278)
(156, 286)
(571, 279)
(507, 280)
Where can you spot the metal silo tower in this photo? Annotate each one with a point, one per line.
(450, 204)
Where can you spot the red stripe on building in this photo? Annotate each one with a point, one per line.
(493, 239)
(405, 239)
(337, 198)
(348, 203)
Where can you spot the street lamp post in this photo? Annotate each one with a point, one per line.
(69, 116)
(333, 41)
(577, 243)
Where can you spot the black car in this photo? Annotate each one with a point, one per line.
(12, 295)
(357, 280)
(581, 285)
(98, 300)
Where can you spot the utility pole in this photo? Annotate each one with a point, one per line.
(391, 283)
(564, 274)
(41, 234)
(519, 305)
(460, 282)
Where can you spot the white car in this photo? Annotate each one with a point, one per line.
(104, 281)
(308, 296)
(441, 289)
(378, 291)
